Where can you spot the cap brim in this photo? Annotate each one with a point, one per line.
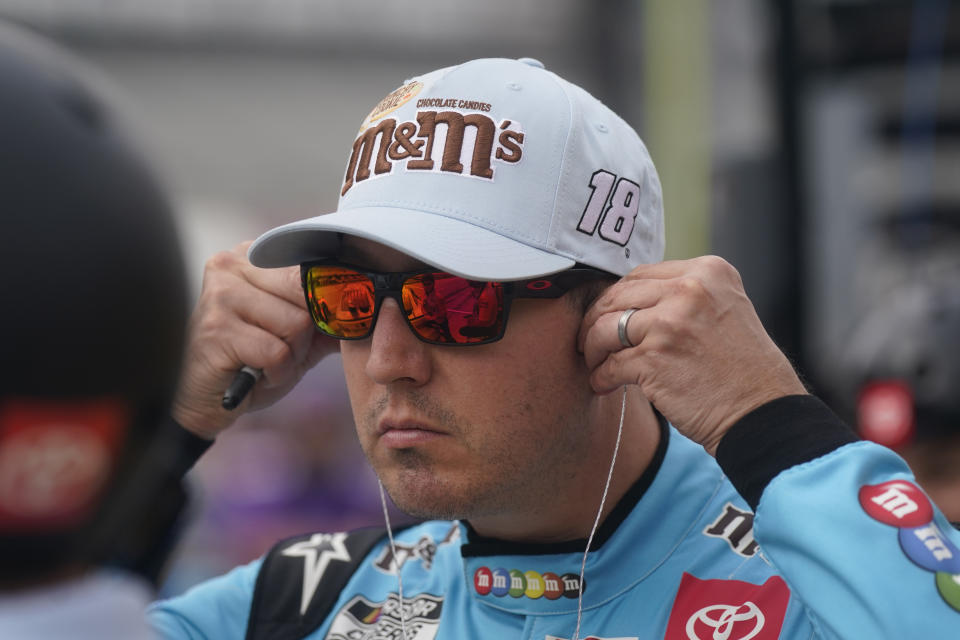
(454, 246)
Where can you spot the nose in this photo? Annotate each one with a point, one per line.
(396, 355)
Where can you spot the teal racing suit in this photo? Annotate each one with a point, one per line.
(800, 532)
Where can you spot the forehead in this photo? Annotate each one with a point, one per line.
(376, 256)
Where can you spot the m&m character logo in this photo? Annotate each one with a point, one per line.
(897, 503)
(483, 581)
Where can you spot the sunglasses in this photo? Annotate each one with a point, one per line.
(439, 307)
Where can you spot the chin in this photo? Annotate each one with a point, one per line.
(420, 494)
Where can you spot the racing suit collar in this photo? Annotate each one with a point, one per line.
(477, 545)
(646, 526)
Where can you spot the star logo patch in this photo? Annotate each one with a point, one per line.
(317, 552)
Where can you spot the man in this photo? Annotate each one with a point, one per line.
(93, 323)
(548, 436)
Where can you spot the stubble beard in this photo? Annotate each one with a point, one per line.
(409, 476)
(419, 489)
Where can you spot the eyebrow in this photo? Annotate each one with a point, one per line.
(360, 257)
(349, 252)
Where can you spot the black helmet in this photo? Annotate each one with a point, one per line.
(94, 307)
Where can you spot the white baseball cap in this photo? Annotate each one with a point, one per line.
(493, 169)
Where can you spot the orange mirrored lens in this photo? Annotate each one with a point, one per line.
(341, 301)
(448, 309)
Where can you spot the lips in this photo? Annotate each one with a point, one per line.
(400, 434)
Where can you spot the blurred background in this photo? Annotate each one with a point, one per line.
(815, 144)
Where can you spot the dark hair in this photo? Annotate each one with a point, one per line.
(582, 296)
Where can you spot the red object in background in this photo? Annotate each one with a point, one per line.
(886, 413)
(55, 457)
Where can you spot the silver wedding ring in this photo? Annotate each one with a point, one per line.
(622, 328)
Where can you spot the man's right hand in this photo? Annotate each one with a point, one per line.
(245, 316)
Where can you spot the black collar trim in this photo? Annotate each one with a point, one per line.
(477, 545)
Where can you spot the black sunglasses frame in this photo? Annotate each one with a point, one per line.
(390, 285)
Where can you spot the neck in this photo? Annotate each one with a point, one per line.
(571, 509)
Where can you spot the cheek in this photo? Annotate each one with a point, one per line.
(352, 359)
(536, 368)
(360, 388)
(542, 338)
